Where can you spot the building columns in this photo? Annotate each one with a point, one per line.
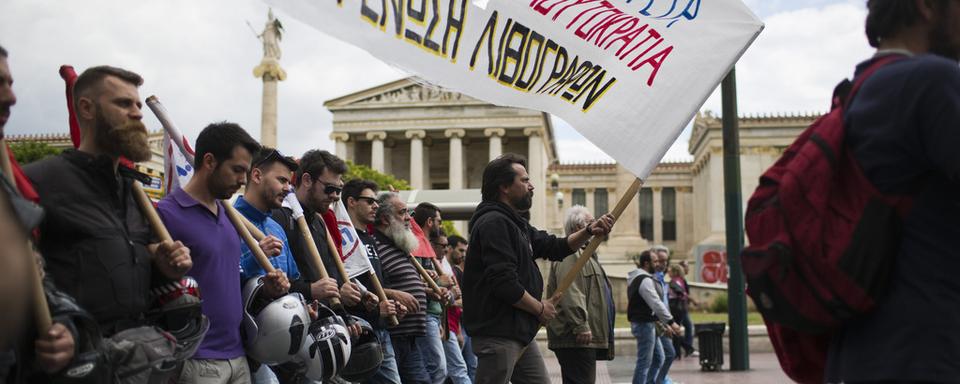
(456, 157)
(340, 139)
(590, 199)
(496, 141)
(657, 215)
(416, 157)
(536, 168)
(376, 150)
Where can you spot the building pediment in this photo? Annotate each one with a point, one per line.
(409, 91)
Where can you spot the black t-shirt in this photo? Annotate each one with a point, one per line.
(904, 130)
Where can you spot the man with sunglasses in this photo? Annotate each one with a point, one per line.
(318, 184)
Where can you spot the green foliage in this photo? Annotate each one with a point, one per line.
(719, 304)
(449, 229)
(383, 180)
(29, 151)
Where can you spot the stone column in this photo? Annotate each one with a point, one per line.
(340, 139)
(268, 119)
(456, 157)
(657, 215)
(416, 157)
(591, 200)
(536, 168)
(376, 149)
(496, 141)
(682, 219)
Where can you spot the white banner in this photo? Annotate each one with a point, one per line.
(627, 74)
(354, 252)
(177, 171)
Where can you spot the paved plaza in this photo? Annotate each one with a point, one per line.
(764, 370)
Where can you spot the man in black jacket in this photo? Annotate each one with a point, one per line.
(502, 285)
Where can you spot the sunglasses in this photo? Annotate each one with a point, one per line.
(369, 200)
(328, 188)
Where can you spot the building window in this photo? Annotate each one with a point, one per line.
(646, 213)
(599, 202)
(579, 197)
(668, 198)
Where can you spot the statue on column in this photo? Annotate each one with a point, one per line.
(271, 36)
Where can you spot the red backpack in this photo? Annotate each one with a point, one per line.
(822, 242)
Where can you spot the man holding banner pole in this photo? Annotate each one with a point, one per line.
(317, 184)
(196, 215)
(502, 285)
(360, 199)
(92, 219)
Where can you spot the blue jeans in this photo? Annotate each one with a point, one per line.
(456, 367)
(668, 355)
(388, 372)
(409, 360)
(264, 375)
(687, 332)
(468, 356)
(431, 348)
(646, 366)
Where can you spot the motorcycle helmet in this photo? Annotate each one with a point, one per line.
(366, 354)
(274, 331)
(328, 346)
(177, 310)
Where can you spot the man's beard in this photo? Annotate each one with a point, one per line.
(221, 190)
(402, 236)
(128, 140)
(272, 199)
(523, 203)
(317, 204)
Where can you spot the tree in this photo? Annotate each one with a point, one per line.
(29, 151)
(383, 180)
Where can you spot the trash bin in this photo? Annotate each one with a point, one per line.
(710, 343)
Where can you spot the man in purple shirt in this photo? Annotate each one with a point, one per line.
(195, 216)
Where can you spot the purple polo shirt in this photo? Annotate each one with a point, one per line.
(215, 249)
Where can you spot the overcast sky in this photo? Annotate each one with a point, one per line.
(198, 58)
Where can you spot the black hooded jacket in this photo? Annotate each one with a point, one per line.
(500, 267)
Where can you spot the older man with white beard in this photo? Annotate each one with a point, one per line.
(395, 241)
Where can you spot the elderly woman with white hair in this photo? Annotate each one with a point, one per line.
(582, 332)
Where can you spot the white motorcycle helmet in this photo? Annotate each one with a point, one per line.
(327, 348)
(274, 332)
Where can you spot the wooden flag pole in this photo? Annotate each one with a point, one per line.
(336, 255)
(625, 200)
(315, 254)
(41, 310)
(382, 295)
(146, 207)
(254, 231)
(423, 273)
(238, 223)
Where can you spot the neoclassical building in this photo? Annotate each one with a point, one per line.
(440, 141)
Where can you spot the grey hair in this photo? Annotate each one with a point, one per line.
(575, 218)
(385, 206)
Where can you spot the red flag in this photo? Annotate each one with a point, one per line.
(69, 77)
(23, 184)
(424, 250)
(330, 221)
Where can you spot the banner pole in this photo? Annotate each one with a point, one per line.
(315, 254)
(146, 207)
(245, 235)
(378, 288)
(625, 200)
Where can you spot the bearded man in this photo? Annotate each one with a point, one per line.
(395, 241)
(502, 285)
(97, 244)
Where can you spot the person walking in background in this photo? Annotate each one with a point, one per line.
(582, 332)
(645, 307)
(679, 294)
